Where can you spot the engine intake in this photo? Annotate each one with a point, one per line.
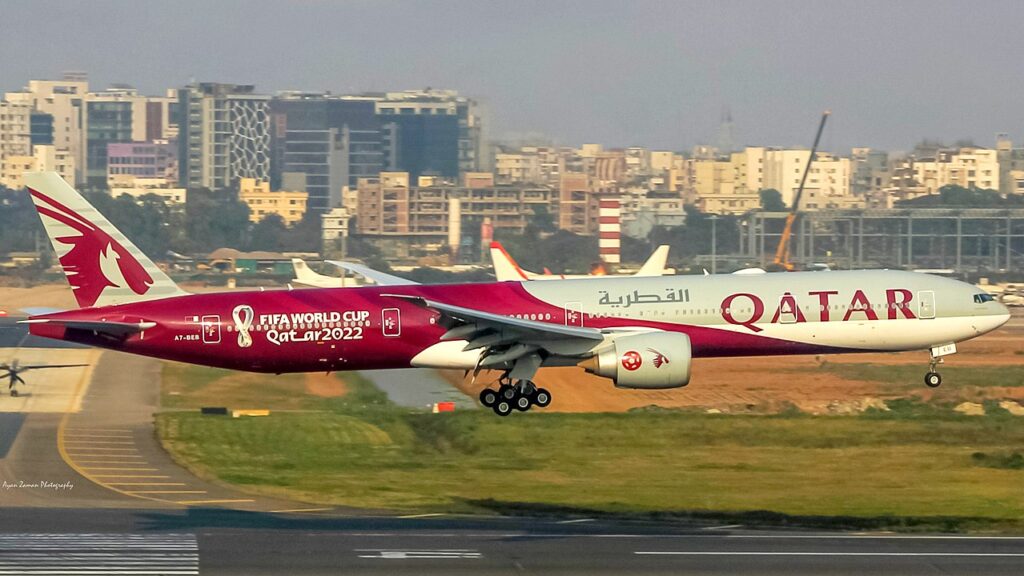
(651, 360)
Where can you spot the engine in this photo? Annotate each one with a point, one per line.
(651, 360)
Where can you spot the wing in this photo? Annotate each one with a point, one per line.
(506, 340)
(380, 278)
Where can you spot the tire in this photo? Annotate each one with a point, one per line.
(522, 402)
(542, 397)
(507, 392)
(488, 397)
(502, 407)
(932, 379)
(14, 393)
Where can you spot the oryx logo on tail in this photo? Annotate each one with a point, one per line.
(95, 261)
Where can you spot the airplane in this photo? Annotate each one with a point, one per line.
(506, 269)
(306, 276)
(640, 333)
(14, 369)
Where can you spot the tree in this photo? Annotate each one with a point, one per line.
(771, 200)
(215, 220)
(304, 235)
(268, 234)
(19, 223)
(958, 196)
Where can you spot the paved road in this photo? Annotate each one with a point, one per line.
(238, 542)
(93, 492)
(418, 388)
(14, 335)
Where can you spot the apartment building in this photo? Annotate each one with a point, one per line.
(262, 202)
(400, 216)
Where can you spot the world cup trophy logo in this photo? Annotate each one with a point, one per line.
(243, 317)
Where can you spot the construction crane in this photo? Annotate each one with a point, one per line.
(782, 253)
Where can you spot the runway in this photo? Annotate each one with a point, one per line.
(218, 541)
(91, 491)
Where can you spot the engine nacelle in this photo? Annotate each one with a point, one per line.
(651, 360)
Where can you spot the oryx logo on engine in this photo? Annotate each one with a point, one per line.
(659, 358)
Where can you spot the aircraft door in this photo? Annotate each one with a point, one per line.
(574, 314)
(926, 304)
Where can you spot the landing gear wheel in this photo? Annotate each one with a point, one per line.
(932, 379)
(502, 407)
(542, 397)
(488, 397)
(522, 402)
(14, 393)
(507, 392)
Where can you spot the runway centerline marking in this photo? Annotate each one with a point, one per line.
(404, 554)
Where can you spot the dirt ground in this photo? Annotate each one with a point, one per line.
(772, 384)
(324, 385)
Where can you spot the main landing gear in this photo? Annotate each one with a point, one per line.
(520, 395)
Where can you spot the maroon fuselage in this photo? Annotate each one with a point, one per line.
(343, 328)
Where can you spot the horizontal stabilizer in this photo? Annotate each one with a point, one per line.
(114, 329)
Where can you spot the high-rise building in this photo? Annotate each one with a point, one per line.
(436, 132)
(223, 134)
(156, 160)
(118, 115)
(262, 202)
(41, 129)
(64, 101)
(966, 167)
(868, 169)
(15, 132)
(321, 143)
(44, 158)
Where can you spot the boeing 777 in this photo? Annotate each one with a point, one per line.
(638, 332)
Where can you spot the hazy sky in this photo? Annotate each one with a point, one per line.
(620, 72)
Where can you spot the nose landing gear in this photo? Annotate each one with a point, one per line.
(933, 379)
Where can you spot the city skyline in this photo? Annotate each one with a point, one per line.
(654, 74)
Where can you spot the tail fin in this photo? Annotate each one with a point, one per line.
(305, 275)
(655, 265)
(505, 268)
(101, 264)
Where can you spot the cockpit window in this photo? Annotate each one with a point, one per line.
(982, 298)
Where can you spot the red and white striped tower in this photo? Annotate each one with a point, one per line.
(609, 229)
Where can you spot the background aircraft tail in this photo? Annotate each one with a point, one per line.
(305, 275)
(655, 265)
(101, 264)
(505, 268)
